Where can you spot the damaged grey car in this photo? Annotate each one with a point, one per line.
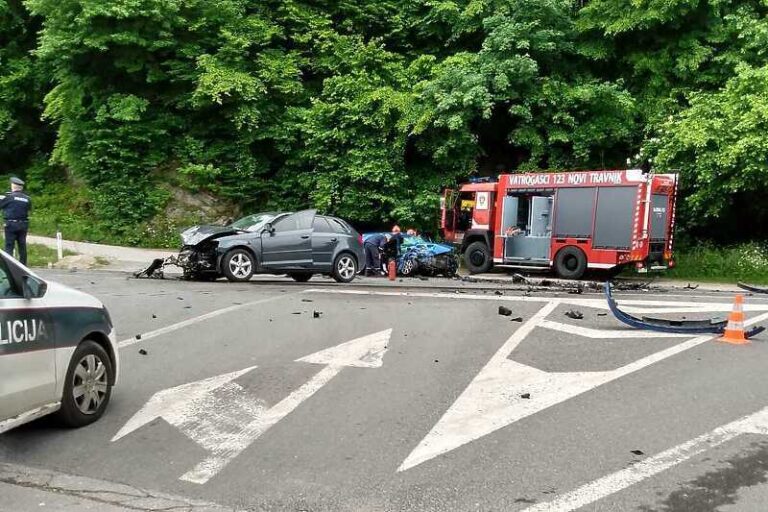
(298, 244)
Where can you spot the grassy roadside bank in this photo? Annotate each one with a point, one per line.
(746, 263)
(40, 255)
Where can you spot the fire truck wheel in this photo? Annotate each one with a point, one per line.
(477, 257)
(571, 263)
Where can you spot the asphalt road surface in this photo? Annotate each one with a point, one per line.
(407, 396)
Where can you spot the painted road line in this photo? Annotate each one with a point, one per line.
(606, 333)
(196, 320)
(630, 306)
(756, 423)
(506, 391)
(365, 352)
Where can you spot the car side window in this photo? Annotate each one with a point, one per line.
(320, 225)
(7, 286)
(300, 220)
(339, 226)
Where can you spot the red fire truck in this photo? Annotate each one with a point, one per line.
(566, 221)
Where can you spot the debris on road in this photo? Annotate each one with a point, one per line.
(682, 326)
(689, 287)
(143, 352)
(153, 271)
(296, 313)
(575, 314)
(751, 288)
(307, 300)
(498, 292)
(637, 452)
(138, 336)
(516, 319)
(154, 316)
(316, 314)
(505, 311)
(525, 396)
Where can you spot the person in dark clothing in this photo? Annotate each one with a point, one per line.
(16, 206)
(373, 247)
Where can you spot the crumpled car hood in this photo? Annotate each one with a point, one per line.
(197, 234)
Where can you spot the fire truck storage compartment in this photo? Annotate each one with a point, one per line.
(575, 212)
(659, 217)
(614, 217)
(532, 214)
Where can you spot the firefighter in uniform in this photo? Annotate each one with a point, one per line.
(16, 206)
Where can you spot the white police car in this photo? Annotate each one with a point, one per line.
(58, 352)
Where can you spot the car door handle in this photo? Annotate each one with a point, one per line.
(304, 236)
(334, 239)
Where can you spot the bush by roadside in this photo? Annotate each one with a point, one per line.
(705, 262)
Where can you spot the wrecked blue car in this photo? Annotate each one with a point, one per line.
(415, 255)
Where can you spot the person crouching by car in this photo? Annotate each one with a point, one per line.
(373, 246)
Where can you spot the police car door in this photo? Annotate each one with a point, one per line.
(27, 355)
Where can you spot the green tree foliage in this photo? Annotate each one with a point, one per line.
(366, 108)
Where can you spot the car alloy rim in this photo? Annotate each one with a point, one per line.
(407, 267)
(89, 384)
(240, 265)
(346, 267)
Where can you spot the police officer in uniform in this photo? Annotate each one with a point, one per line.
(16, 206)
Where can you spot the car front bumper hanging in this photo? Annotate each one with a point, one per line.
(708, 326)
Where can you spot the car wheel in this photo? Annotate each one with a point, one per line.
(239, 265)
(87, 387)
(409, 267)
(344, 268)
(571, 263)
(301, 277)
(477, 257)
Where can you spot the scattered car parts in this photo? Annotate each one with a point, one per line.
(750, 288)
(682, 326)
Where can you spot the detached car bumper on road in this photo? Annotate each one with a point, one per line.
(58, 352)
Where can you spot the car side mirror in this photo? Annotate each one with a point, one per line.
(34, 288)
(269, 228)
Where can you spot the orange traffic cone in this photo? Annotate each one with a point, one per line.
(734, 331)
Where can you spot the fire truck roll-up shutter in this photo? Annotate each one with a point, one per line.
(614, 217)
(575, 207)
(659, 217)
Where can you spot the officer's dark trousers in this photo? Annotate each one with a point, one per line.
(16, 232)
(372, 258)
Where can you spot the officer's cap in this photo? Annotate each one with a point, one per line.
(17, 181)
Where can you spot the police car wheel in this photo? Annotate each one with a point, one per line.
(571, 263)
(344, 268)
(238, 265)
(87, 388)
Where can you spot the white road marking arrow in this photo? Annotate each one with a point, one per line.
(180, 404)
(365, 352)
(218, 415)
(494, 398)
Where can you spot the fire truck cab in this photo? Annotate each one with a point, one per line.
(565, 221)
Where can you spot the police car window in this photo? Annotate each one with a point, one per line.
(320, 225)
(7, 288)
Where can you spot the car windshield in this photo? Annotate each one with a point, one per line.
(253, 222)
